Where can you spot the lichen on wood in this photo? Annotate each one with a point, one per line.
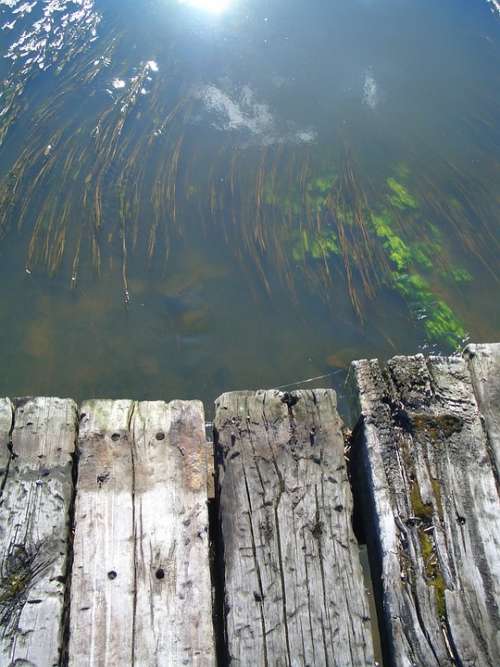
(434, 532)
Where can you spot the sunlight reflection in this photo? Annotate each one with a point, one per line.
(214, 6)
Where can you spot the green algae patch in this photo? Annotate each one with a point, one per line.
(398, 251)
(293, 202)
(457, 276)
(425, 253)
(321, 185)
(288, 204)
(317, 245)
(440, 323)
(399, 195)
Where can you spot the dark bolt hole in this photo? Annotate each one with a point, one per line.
(461, 520)
(115, 437)
(160, 436)
(160, 573)
(112, 575)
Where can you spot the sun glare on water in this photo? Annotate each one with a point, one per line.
(214, 6)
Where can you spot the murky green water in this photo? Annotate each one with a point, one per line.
(208, 195)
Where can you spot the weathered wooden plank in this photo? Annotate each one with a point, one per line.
(34, 530)
(484, 367)
(141, 590)
(103, 578)
(6, 423)
(434, 528)
(173, 601)
(293, 581)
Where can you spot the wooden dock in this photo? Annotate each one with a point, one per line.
(116, 548)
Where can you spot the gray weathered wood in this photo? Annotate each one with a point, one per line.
(173, 603)
(34, 530)
(293, 582)
(484, 367)
(102, 586)
(6, 422)
(434, 526)
(141, 590)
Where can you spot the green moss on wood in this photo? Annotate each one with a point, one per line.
(436, 489)
(432, 571)
(420, 509)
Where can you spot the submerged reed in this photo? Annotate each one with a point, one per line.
(130, 179)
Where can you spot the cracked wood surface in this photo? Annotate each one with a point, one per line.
(141, 591)
(294, 592)
(37, 443)
(484, 367)
(434, 529)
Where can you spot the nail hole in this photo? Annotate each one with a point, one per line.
(160, 573)
(115, 437)
(160, 436)
(112, 575)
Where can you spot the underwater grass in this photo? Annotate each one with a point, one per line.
(304, 215)
(440, 324)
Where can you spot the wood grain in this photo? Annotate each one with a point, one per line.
(434, 525)
(141, 592)
(34, 529)
(173, 588)
(484, 366)
(103, 581)
(293, 583)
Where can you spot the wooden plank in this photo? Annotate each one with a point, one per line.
(103, 578)
(141, 591)
(484, 367)
(434, 525)
(34, 533)
(293, 582)
(174, 600)
(6, 423)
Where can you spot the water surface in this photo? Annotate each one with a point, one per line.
(209, 195)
